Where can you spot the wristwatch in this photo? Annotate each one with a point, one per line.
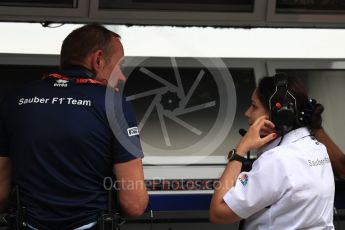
(233, 156)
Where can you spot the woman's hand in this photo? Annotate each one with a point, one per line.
(259, 134)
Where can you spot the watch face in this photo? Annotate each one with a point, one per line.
(231, 154)
(234, 156)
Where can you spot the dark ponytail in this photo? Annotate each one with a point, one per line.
(311, 114)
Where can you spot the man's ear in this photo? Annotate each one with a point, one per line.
(97, 60)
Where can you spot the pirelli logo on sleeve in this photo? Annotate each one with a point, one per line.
(133, 131)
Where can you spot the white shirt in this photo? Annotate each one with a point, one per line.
(290, 186)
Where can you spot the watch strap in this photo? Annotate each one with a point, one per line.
(233, 156)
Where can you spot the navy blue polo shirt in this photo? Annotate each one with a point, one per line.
(62, 147)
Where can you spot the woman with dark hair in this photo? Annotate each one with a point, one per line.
(291, 184)
(314, 121)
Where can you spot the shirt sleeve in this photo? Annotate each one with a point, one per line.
(127, 144)
(4, 150)
(259, 188)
